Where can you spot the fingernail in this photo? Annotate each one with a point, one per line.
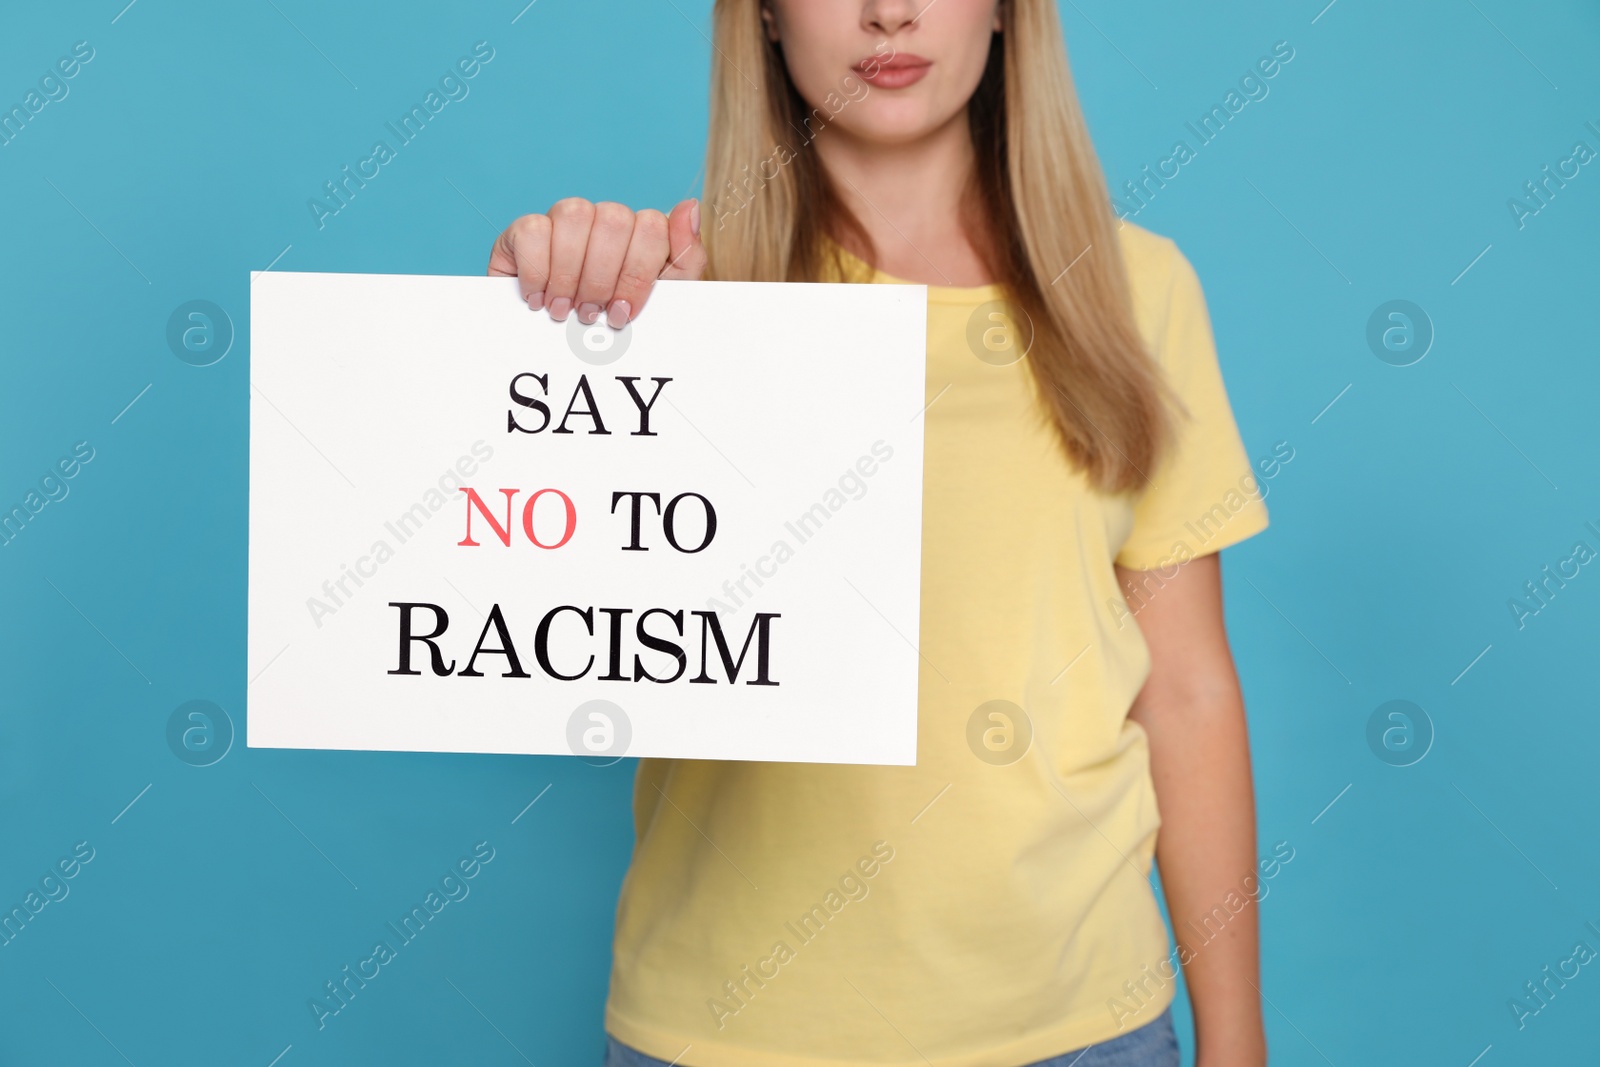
(559, 308)
(694, 219)
(587, 313)
(536, 300)
(617, 316)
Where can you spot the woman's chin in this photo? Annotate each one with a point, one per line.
(895, 124)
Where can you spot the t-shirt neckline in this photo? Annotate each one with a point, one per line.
(937, 294)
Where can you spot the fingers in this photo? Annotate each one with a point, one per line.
(523, 251)
(609, 238)
(645, 258)
(570, 222)
(598, 257)
(687, 256)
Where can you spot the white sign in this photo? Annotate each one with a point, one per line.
(473, 529)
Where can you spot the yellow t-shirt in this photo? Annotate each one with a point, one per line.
(984, 907)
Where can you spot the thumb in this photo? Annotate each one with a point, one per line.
(687, 256)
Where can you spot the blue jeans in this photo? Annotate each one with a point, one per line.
(1151, 1045)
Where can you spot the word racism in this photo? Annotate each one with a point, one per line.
(453, 888)
(1540, 593)
(807, 928)
(452, 87)
(1253, 87)
(710, 634)
(1538, 194)
(688, 524)
(53, 88)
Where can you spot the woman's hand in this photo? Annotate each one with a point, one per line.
(598, 257)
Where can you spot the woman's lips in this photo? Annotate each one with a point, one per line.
(894, 73)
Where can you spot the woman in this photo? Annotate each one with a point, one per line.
(989, 907)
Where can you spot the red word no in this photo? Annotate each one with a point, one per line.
(503, 532)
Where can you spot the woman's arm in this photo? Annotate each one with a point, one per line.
(1193, 713)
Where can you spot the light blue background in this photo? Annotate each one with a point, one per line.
(1378, 168)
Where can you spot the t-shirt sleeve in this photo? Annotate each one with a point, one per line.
(1204, 496)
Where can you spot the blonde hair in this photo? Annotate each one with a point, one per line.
(1038, 211)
